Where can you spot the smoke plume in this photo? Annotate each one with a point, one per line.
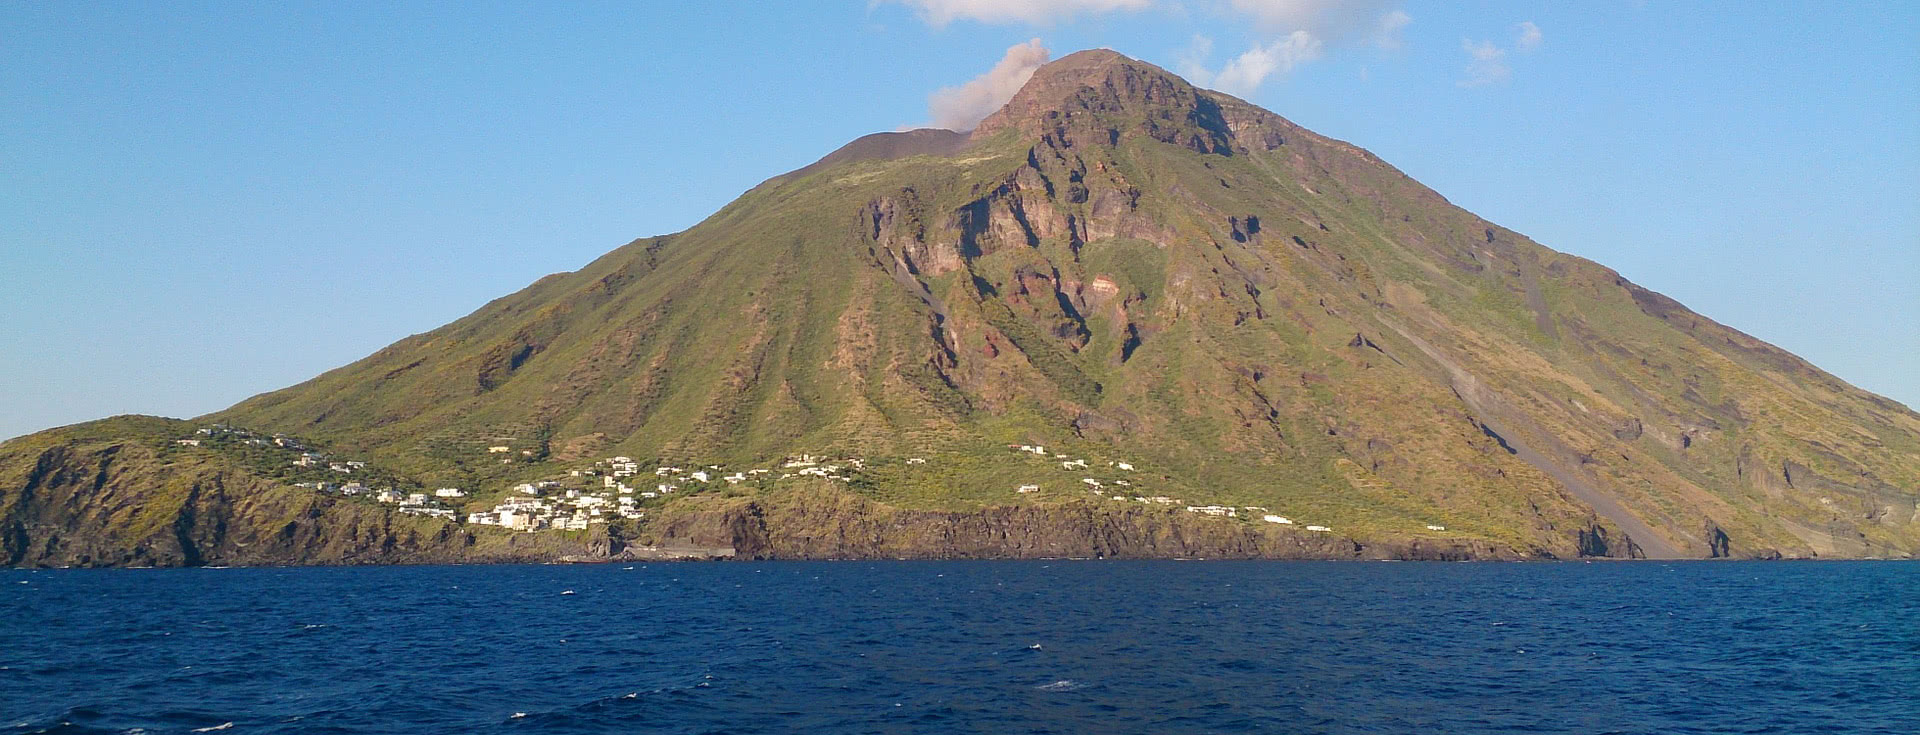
(961, 108)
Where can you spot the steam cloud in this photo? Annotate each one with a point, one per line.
(963, 107)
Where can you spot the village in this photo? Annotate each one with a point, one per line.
(620, 488)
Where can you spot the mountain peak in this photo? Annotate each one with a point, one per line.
(1103, 91)
(1087, 61)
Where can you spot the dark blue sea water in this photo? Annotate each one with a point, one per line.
(971, 647)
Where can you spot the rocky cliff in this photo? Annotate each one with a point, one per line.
(120, 493)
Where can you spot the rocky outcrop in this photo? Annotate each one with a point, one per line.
(839, 525)
(1596, 541)
(129, 504)
(1719, 546)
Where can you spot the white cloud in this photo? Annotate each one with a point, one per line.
(1192, 63)
(1326, 19)
(1244, 74)
(1387, 36)
(942, 12)
(962, 107)
(1487, 64)
(1308, 27)
(1530, 37)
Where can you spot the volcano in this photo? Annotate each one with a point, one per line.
(1118, 268)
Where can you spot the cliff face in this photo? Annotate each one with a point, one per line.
(116, 494)
(830, 524)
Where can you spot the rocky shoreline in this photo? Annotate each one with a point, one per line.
(111, 506)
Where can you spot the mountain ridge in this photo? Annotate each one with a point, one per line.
(1127, 267)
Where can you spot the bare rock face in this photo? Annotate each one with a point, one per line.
(1097, 97)
(896, 225)
(835, 525)
(1596, 541)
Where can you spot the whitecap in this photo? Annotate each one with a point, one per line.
(1063, 685)
(221, 726)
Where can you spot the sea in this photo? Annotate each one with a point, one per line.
(967, 647)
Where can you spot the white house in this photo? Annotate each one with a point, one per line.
(1322, 529)
(1277, 519)
(450, 492)
(1029, 488)
(499, 450)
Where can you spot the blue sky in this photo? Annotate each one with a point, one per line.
(199, 202)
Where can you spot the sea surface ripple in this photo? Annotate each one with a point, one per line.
(967, 647)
